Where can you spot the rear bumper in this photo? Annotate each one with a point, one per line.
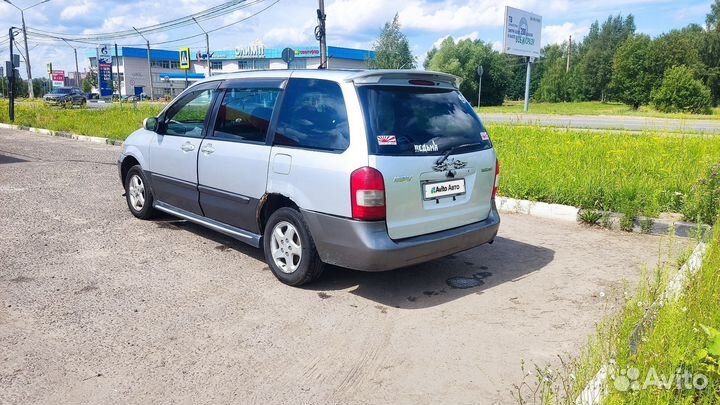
(366, 246)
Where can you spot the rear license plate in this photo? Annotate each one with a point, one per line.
(441, 189)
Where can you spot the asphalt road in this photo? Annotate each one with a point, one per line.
(99, 307)
(606, 122)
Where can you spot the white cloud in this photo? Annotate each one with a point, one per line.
(557, 34)
(82, 10)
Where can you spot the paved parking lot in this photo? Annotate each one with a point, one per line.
(98, 307)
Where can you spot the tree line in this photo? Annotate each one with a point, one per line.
(678, 71)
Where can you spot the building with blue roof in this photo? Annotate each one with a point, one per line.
(130, 65)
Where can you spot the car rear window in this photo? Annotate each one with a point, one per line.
(409, 121)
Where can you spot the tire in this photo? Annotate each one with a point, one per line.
(138, 195)
(291, 268)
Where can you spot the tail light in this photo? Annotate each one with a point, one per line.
(367, 194)
(497, 178)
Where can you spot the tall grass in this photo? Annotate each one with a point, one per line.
(116, 122)
(633, 174)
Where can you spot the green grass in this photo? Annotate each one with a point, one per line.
(632, 174)
(591, 108)
(116, 122)
(675, 339)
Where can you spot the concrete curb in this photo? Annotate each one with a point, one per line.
(597, 388)
(69, 135)
(569, 213)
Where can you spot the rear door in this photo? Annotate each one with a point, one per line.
(435, 156)
(233, 159)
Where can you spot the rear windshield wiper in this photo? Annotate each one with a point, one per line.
(455, 148)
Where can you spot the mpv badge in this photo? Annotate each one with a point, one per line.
(402, 179)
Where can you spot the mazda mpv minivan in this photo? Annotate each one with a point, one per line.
(370, 170)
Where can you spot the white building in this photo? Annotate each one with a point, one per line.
(169, 79)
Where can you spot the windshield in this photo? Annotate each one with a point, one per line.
(409, 121)
(61, 91)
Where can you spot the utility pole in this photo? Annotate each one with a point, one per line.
(117, 63)
(27, 51)
(152, 92)
(11, 104)
(207, 45)
(321, 35)
(480, 72)
(569, 51)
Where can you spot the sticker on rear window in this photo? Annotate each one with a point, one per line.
(484, 136)
(427, 147)
(386, 140)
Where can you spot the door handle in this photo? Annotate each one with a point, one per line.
(207, 149)
(187, 147)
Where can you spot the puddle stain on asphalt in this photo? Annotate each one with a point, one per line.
(462, 282)
(323, 295)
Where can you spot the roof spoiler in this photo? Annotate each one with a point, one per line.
(374, 76)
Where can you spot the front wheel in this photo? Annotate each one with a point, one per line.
(289, 249)
(137, 194)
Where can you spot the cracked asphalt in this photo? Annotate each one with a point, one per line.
(99, 307)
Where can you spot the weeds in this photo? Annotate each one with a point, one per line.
(590, 217)
(646, 225)
(627, 222)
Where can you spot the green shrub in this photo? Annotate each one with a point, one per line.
(681, 92)
(703, 203)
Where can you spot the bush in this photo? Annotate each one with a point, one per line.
(703, 203)
(681, 92)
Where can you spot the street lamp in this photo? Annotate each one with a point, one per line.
(207, 45)
(31, 92)
(147, 41)
(77, 69)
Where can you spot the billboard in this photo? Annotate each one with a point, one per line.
(58, 78)
(104, 59)
(522, 33)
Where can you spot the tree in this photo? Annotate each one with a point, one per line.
(463, 58)
(598, 52)
(428, 56)
(633, 76)
(676, 48)
(392, 49)
(90, 81)
(680, 91)
(712, 20)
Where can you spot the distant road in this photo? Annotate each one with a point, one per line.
(606, 122)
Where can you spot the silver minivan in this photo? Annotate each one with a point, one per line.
(370, 170)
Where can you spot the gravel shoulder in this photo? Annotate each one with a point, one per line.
(98, 307)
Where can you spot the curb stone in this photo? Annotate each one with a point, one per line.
(61, 134)
(569, 213)
(596, 390)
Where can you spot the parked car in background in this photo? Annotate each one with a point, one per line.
(65, 97)
(93, 96)
(370, 170)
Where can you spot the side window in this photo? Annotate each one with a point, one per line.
(187, 116)
(245, 114)
(313, 116)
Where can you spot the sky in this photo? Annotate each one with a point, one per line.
(350, 23)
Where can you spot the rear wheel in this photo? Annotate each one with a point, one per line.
(137, 194)
(289, 249)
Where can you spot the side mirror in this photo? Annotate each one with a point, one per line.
(151, 124)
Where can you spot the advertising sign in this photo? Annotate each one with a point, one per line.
(185, 58)
(58, 78)
(522, 33)
(104, 59)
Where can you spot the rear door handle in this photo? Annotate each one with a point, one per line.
(187, 147)
(207, 149)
